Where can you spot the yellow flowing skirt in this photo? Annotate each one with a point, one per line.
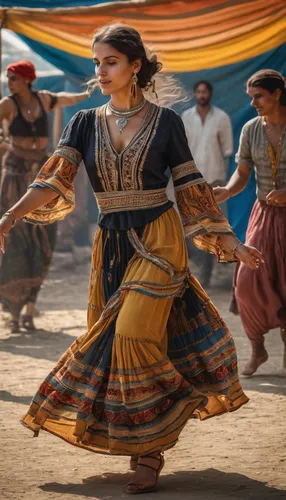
(155, 354)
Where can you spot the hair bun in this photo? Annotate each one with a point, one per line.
(150, 66)
(155, 65)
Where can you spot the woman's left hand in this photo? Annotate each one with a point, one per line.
(250, 256)
(5, 226)
(276, 197)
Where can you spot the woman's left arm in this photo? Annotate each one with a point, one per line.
(69, 99)
(53, 100)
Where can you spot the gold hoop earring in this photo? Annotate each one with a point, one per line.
(134, 85)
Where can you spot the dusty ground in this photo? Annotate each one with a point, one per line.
(239, 456)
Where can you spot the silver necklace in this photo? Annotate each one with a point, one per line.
(123, 115)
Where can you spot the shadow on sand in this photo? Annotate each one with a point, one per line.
(40, 344)
(266, 383)
(210, 484)
(7, 396)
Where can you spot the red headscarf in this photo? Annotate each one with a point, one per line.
(24, 69)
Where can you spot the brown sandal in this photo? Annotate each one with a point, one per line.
(139, 488)
(28, 322)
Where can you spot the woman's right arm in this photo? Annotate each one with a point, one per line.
(240, 177)
(6, 110)
(235, 185)
(33, 199)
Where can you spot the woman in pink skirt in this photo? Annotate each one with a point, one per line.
(261, 295)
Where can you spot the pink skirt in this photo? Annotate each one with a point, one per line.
(261, 294)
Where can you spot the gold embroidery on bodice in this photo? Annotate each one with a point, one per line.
(124, 171)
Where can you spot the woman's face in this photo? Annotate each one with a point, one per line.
(112, 69)
(16, 84)
(263, 101)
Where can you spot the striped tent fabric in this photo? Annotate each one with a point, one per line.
(190, 36)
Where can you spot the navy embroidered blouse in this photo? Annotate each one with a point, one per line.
(130, 186)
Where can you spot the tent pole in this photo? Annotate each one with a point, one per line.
(2, 24)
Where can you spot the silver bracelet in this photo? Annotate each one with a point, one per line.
(235, 248)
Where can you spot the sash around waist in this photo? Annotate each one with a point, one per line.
(118, 201)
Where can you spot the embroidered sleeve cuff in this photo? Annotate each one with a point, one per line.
(203, 220)
(185, 175)
(57, 174)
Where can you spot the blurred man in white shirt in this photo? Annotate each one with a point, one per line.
(209, 134)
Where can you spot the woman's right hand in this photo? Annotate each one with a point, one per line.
(221, 194)
(5, 226)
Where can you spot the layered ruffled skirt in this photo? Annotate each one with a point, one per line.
(155, 354)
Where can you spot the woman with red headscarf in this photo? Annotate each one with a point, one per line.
(29, 249)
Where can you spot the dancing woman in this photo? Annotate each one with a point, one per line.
(261, 295)
(156, 351)
(29, 249)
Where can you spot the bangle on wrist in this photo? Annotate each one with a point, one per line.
(235, 248)
(229, 190)
(12, 214)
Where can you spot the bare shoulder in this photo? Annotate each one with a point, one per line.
(7, 107)
(6, 103)
(46, 97)
(44, 94)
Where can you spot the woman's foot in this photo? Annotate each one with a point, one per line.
(28, 322)
(147, 474)
(258, 357)
(27, 319)
(14, 325)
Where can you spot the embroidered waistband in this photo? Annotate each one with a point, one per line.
(118, 201)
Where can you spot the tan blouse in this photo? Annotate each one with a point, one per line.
(254, 151)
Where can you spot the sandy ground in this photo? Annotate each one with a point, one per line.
(237, 456)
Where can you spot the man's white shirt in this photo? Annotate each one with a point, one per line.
(210, 143)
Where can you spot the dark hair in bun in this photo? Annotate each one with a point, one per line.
(128, 41)
(148, 69)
